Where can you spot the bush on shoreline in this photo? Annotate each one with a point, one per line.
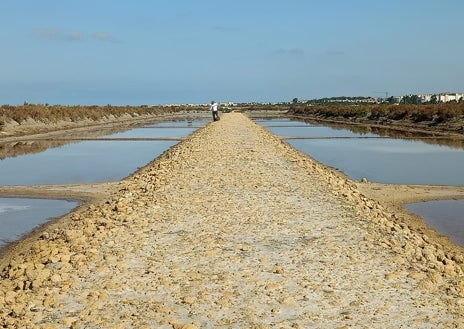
(416, 113)
(448, 116)
(55, 113)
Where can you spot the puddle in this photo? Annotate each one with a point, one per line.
(19, 216)
(446, 216)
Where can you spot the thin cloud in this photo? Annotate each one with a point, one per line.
(75, 36)
(290, 51)
(333, 52)
(103, 36)
(50, 33)
(224, 28)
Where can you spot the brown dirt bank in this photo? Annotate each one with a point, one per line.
(454, 129)
(36, 136)
(36, 129)
(82, 192)
(439, 118)
(232, 228)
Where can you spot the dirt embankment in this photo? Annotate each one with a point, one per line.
(32, 136)
(434, 120)
(31, 129)
(232, 228)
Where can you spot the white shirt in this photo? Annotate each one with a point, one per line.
(214, 107)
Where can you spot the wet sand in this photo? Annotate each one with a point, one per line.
(233, 228)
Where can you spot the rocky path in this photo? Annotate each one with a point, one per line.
(232, 228)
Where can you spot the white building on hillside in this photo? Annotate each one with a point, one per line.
(442, 97)
(449, 97)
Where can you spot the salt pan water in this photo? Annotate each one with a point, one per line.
(19, 216)
(446, 216)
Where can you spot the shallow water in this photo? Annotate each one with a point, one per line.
(282, 122)
(316, 132)
(184, 123)
(83, 162)
(446, 216)
(393, 161)
(18, 215)
(154, 132)
(378, 158)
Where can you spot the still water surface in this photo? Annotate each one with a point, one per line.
(83, 162)
(185, 123)
(18, 216)
(446, 216)
(388, 160)
(153, 132)
(379, 159)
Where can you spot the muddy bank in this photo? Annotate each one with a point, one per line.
(37, 136)
(36, 129)
(439, 119)
(81, 192)
(232, 228)
(453, 129)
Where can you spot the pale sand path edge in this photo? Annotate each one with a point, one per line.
(232, 228)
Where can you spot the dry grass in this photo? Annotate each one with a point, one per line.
(434, 113)
(55, 113)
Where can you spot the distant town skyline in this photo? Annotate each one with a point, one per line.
(179, 51)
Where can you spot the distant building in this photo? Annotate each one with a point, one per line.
(442, 97)
(425, 98)
(449, 97)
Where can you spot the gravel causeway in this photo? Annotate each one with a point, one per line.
(232, 228)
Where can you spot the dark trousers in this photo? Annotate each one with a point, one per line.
(215, 115)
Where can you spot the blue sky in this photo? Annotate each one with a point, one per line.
(183, 51)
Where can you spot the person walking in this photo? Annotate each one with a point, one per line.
(214, 110)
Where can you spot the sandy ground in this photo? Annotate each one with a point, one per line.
(233, 228)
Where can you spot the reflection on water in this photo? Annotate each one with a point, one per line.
(182, 123)
(388, 160)
(25, 147)
(72, 136)
(316, 132)
(84, 162)
(40, 145)
(363, 130)
(19, 216)
(63, 162)
(446, 216)
(154, 132)
(282, 122)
